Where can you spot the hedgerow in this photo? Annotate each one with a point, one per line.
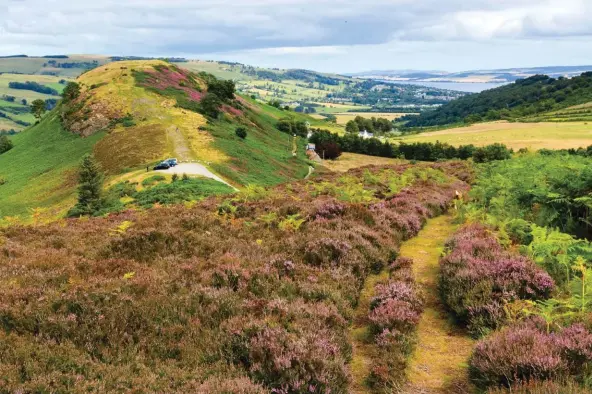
(214, 297)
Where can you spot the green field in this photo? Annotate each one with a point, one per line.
(549, 135)
(21, 94)
(40, 66)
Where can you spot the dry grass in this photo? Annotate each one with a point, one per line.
(439, 363)
(343, 118)
(515, 135)
(347, 161)
(147, 140)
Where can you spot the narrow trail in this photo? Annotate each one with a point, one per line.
(185, 157)
(182, 150)
(439, 363)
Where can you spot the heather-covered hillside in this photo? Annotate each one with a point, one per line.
(251, 293)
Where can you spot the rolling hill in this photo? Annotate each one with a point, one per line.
(474, 76)
(523, 99)
(131, 114)
(304, 91)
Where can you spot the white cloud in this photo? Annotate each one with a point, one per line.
(292, 29)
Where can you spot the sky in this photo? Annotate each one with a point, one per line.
(324, 35)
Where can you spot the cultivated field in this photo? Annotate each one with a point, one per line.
(550, 135)
(348, 161)
(343, 118)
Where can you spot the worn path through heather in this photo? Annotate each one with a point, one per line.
(439, 362)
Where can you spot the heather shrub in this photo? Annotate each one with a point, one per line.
(297, 362)
(395, 311)
(214, 296)
(478, 278)
(526, 353)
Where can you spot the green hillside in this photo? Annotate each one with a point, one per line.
(523, 99)
(40, 171)
(132, 114)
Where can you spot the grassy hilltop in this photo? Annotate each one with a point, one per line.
(129, 115)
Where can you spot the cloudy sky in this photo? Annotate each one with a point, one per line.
(325, 35)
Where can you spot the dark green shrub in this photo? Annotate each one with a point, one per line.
(241, 132)
(5, 144)
(520, 232)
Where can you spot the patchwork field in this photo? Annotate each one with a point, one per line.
(18, 110)
(343, 118)
(549, 135)
(348, 161)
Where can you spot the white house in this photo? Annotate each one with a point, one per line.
(365, 134)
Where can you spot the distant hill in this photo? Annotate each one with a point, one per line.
(522, 99)
(132, 114)
(473, 76)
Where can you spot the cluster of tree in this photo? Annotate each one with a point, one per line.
(306, 108)
(38, 108)
(373, 125)
(17, 121)
(10, 99)
(34, 86)
(71, 92)
(219, 92)
(68, 65)
(525, 97)
(293, 127)
(5, 144)
(330, 118)
(328, 150)
(422, 151)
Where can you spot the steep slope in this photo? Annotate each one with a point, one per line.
(131, 114)
(527, 97)
(40, 171)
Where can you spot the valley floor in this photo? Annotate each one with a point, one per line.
(439, 363)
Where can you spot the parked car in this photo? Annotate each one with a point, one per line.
(162, 166)
(171, 162)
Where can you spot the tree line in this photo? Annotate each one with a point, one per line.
(33, 86)
(421, 151)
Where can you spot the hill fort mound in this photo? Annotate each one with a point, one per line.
(153, 109)
(133, 114)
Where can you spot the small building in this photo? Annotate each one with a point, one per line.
(365, 134)
(310, 147)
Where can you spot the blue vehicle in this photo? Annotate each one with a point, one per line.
(171, 162)
(162, 166)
